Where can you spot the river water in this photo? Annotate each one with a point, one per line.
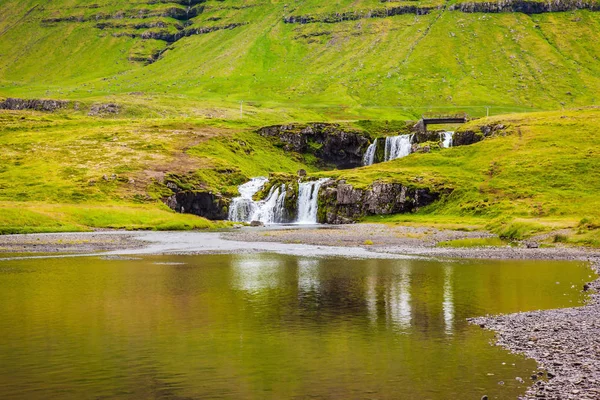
(266, 326)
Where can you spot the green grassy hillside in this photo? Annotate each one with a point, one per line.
(370, 67)
(180, 69)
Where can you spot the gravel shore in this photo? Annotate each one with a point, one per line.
(69, 243)
(564, 342)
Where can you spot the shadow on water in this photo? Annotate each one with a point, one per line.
(251, 326)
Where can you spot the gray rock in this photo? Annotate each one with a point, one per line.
(33, 104)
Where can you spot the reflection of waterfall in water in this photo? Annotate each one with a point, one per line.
(397, 146)
(308, 194)
(270, 210)
(255, 272)
(398, 301)
(446, 138)
(369, 157)
(308, 275)
(448, 305)
(371, 298)
(243, 208)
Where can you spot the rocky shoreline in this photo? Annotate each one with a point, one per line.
(564, 342)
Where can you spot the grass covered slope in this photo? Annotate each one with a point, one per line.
(66, 171)
(243, 50)
(541, 173)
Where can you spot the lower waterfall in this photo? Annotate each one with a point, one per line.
(243, 208)
(308, 194)
(269, 211)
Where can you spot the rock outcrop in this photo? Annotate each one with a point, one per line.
(202, 203)
(330, 143)
(33, 104)
(525, 6)
(103, 109)
(467, 137)
(341, 203)
(361, 14)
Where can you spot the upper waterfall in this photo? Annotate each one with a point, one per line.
(398, 146)
(369, 157)
(446, 138)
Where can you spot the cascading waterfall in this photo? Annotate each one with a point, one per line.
(446, 138)
(369, 157)
(243, 208)
(397, 146)
(272, 209)
(269, 211)
(308, 193)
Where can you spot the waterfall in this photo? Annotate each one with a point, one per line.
(308, 193)
(397, 146)
(272, 209)
(369, 157)
(243, 208)
(446, 138)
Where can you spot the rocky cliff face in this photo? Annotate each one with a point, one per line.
(341, 203)
(331, 144)
(204, 204)
(190, 199)
(467, 137)
(525, 6)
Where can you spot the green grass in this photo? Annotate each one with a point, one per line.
(476, 242)
(36, 217)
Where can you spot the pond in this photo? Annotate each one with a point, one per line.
(267, 326)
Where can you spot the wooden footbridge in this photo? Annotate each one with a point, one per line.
(437, 119)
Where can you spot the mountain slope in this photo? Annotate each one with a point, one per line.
(245, 51)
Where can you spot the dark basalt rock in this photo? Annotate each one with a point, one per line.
(463, 138)
(328, 142)
(341, 203)
(204, 204)
(356, 15)
(525, 6)
(33, 104)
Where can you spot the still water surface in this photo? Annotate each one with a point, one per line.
(264, 326)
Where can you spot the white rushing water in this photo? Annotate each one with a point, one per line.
(243, 208)
(446, 138)
(308, 193)
(269, 211)
(397, 146)
(369, 157)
